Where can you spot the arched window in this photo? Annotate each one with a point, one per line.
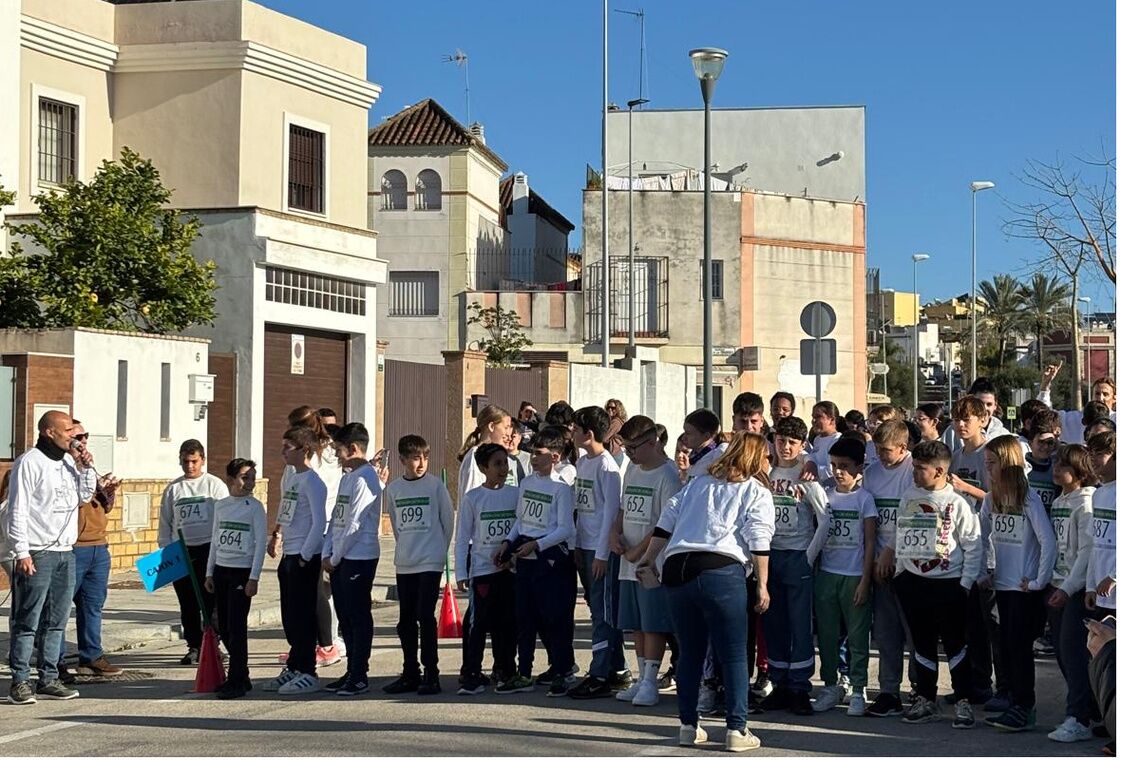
(429, 191)
(394, 191)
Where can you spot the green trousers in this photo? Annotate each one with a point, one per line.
(835, 599)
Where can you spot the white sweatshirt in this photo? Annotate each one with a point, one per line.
(302, 514)
(486, 516)
(801, 509)
(821, 455)
(644, 494)
(938, 536)
(1021, 546)
(545, 511)
(1072, 525)
(886, 485)
(327, 468)
(971, 467)
(189, 505)
(597, 496)
(1102, 559)
(43, 503)
(840, 547)
(422, 521)
(354, 530)
(470, 476)
(239, 535)
(712, 515)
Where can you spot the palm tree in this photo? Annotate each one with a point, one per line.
(1005, 309)
(1045, 299)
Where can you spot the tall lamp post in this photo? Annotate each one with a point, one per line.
(1087, 301)
(631, 349)
(707, 65)
(916, 258)
(975, 187)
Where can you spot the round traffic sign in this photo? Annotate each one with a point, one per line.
(818, 319)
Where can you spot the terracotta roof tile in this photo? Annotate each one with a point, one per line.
(427, 123)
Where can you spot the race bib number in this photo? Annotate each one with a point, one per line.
(535, 517)
(1009, 529)
(512, 478)
(917, 537)
(584, 496)
(288, 508)
(413, 514)
(637, 505)
(494, 527)
(843, 531)
(787, 515)
(1060, 518)
(888, 510)
(340, 511)
(234, 540)
(1104, 529)
(191, 511)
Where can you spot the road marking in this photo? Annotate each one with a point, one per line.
(61, 726)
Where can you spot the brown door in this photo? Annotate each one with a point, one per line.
(321, 383)
(221, 417)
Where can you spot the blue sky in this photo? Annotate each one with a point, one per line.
(954, 92)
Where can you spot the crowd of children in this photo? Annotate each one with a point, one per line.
(882, 529)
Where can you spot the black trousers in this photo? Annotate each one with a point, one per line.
(983, 634)
(187, 603)
(352, 595)
(935, 610)
(418, 594)
(544, 603)
(1022, 621)
(298, 613)
(233, 618)
(491, 611)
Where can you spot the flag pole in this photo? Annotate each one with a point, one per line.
(194, 580)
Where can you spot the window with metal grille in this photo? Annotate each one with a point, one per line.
(717, 280)
(413, 294)
(394, 191)
(315, 291)
(306, 169)
(164, 403)
(429, 191)
(123, 402)
(58, 141)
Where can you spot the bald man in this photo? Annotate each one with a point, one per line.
(49, 482)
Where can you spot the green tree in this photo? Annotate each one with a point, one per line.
(1005, 310)
(110, 254)
(505, 340)
(1045, 300)
(900, 376)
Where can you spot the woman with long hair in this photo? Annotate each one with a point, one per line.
(493, 425)
(616, 410)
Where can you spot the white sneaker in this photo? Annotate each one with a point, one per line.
(1071, 731)
(844, 686)
(341, 647)
(627, 695)
(857, 705)
(829, 697)
(690, 736)
(284, 677)
(741, 741)
(302, 684)
(647, 695)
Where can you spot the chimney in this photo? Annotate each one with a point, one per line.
(520, 193)
(477, 133)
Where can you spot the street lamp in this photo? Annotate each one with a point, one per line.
(974, 188)
(1087, 301)
(916, 258)
(632, 343)
(707, 65)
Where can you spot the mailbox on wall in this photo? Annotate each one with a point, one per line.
(201, 389)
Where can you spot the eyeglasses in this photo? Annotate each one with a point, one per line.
(639, 444)
(1047, 441)
(81, 436)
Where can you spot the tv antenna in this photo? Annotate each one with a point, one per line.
(642, 70)
(460, 59)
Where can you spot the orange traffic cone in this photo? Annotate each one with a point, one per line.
(211, 673)
(450, 623)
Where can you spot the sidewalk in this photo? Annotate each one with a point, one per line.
(131, 616)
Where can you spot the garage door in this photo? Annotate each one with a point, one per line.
(320, 382)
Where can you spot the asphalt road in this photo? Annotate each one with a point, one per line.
(153, 713)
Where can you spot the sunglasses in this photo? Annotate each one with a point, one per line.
(81, 436)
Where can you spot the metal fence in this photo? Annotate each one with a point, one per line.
(496, 268)
(650, 288)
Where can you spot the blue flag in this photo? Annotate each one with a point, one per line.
(163, 566)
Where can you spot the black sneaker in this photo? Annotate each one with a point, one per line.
(754, 701)
(885, 706)
(405, 684)
(761, 687)
(619, 680)
(590, 688)
(546, 677)
(55, 690)
(1014, 719)
(190, 658)
(998, 703)
(21, 694)
(665, 682)
(469, 685)
(66, 677)
(429, 686)
(354, 688)
(800, 704)
(558, 687)
(234, 690)
(337, 685)
(977, 698)
(779, 699)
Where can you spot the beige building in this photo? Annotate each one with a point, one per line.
(259, 123)
(890, 306)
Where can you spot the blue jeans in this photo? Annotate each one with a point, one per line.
(712, 606)
(92, 569)
(606, 638)
(787, 623)
(46, 595)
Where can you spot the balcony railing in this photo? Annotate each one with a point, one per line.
(496, 268)
(650, 288)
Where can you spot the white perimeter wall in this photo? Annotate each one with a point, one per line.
(664, 392)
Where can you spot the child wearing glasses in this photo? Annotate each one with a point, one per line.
(1044, 434)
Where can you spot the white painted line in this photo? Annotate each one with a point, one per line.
(61, 726)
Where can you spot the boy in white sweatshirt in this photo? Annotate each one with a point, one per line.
(234, 568)
(939, 552)
(351, 553)
(1100, 586)
(422, 521)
